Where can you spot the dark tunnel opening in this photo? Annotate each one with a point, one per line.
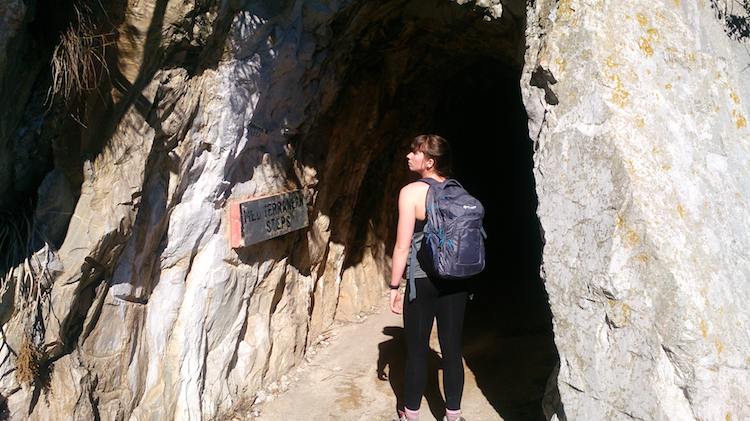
(425, 66)
(484, 119)
(508, 341)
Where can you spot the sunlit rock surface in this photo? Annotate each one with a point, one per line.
(153, 315)
(643, 177)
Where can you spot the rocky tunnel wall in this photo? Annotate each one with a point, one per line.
(638, 117)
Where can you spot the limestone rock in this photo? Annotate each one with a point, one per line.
(642, 176)
(153, 315)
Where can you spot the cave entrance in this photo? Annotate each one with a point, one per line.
(434, 66)
(508, 339)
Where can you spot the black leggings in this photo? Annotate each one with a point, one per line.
(446, 301)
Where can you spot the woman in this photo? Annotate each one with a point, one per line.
(430, 157)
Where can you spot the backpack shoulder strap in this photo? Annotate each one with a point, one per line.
(447, 182)
(453, 181)
(428, 180)
(413, 262)
(412, 265)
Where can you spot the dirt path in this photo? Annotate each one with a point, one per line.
(358, 376)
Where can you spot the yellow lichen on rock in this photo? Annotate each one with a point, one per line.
(630, 166)
(561, 63)
(630, 239)
(621, 312)
(645, 47)
(619, 96)
(739, 118)
(734, 96)
(641, 19)
(564, 11)
(653, 35)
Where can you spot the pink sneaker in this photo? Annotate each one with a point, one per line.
(401, 416)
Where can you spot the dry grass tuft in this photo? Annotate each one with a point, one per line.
(24, 269)
(78, 62)
(20, 265)
(27, 362)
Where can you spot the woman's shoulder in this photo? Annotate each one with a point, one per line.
(415, 188)
(416, 185)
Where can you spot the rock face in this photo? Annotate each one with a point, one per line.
(141, 310)
(642, 170)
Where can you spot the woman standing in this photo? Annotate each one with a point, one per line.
(430, 157)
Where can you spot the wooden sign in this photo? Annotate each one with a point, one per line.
(258, 219)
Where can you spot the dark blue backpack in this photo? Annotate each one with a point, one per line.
(453, 242)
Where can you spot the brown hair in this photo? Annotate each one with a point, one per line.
(436, 148)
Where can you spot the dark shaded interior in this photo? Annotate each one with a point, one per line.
(508, 339)
(426, 66)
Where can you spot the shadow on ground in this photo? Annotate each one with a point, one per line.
(508, 347)
(391, 363)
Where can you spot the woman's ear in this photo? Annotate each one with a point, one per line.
(430, 163)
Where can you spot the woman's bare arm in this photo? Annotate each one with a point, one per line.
(404, 230)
